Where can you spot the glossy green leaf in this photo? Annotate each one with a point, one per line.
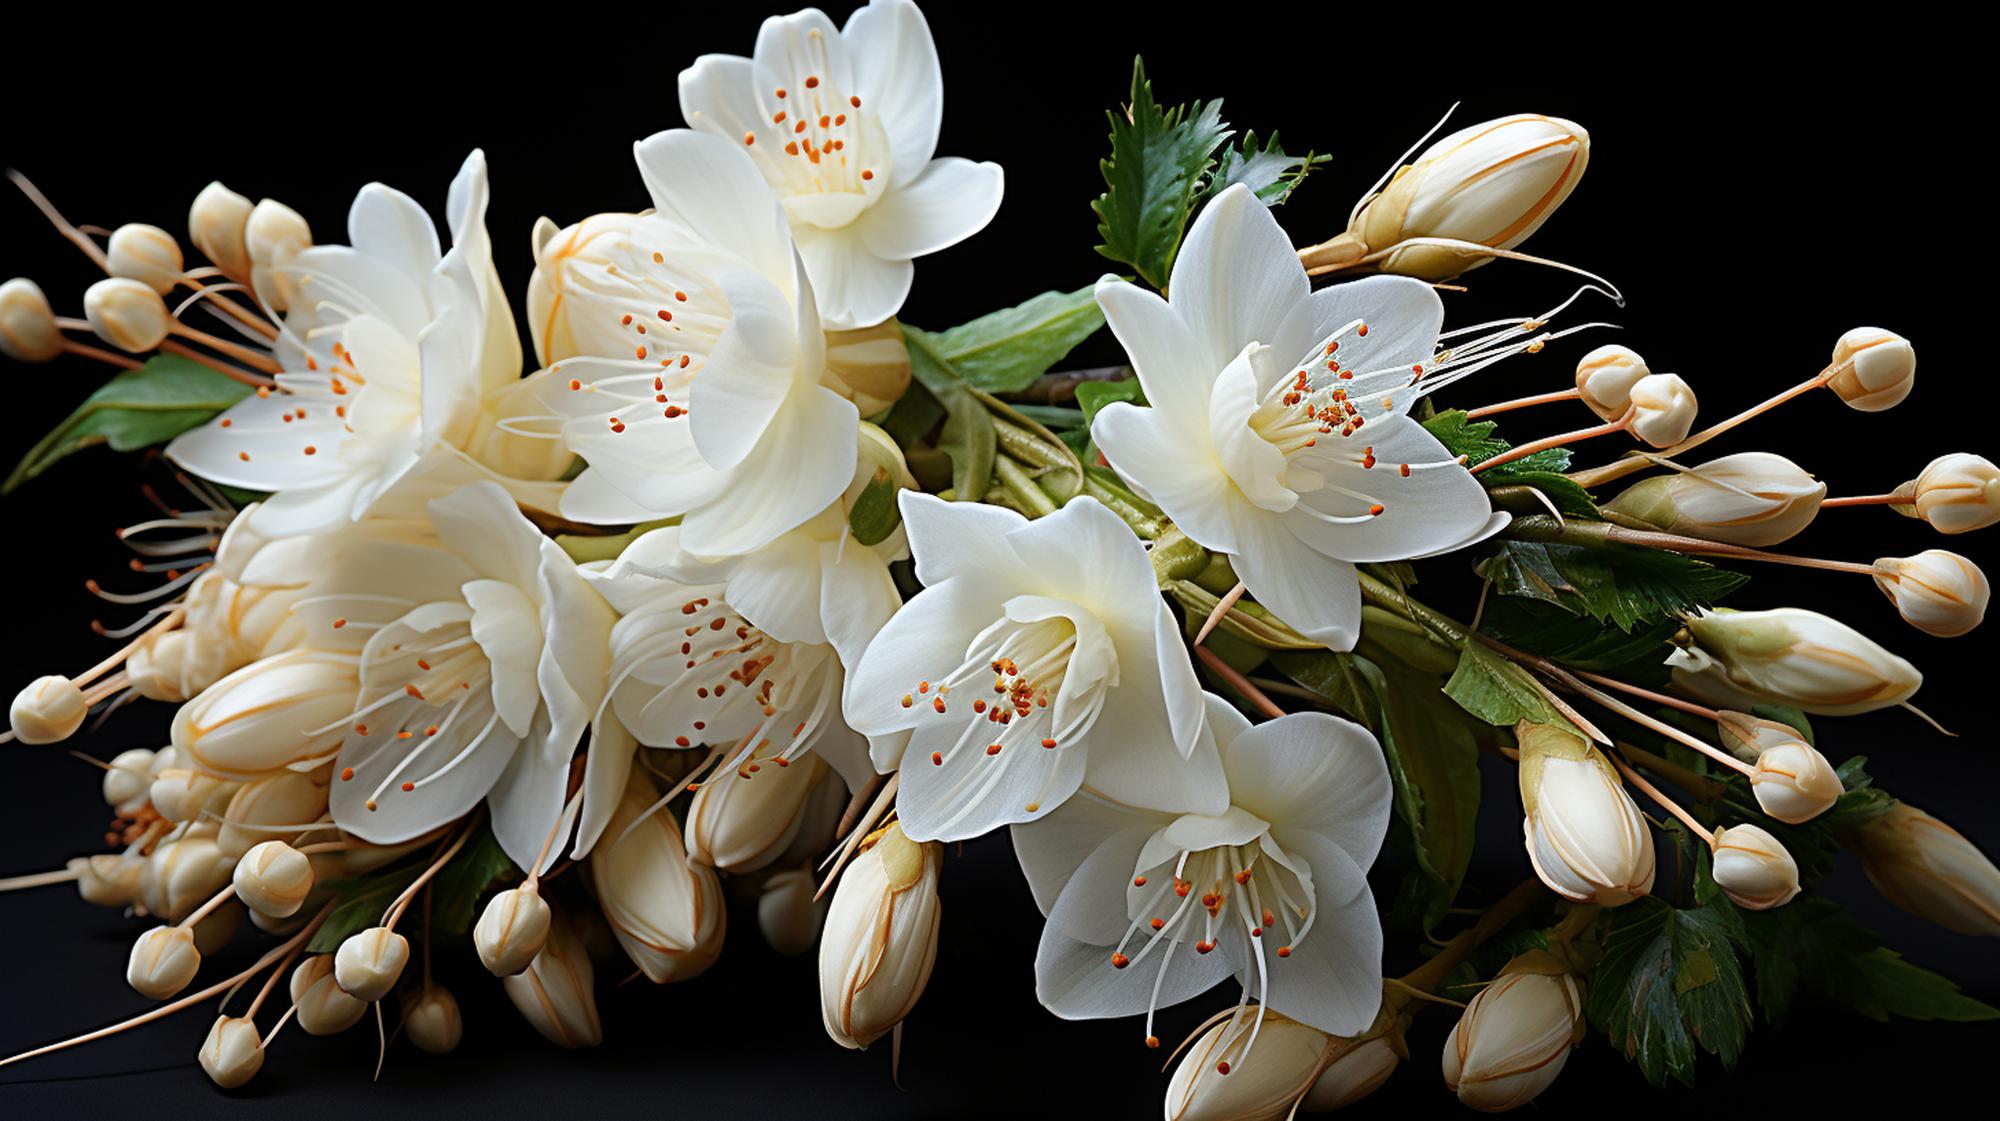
(1264, 168)
(1670, 984)
(968, 436)
(137, 409)
(1499, 692)
(1159, 159)
(462, 886)
(1004, 351)
(1620, 584)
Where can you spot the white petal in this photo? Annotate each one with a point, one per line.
(1316, 772)
(1236, 277)
(926, 639)
(1091, 905)
(527, 802)
(855, 287)
(400, 815)
(388, 226)
(803, 463)
(952, 200)
(1051, 850)
(605, 770)
(708, 184)
(857, 597)
(1143, 446)
(591, 499)
(897, 76)
(777, 589)
(1332, 979)
(1403, 316)
(748, 375)
(1174, 372)
(950, 539)
(972, 793)
(1494, 523)
(481, 524)
(1315, 595)
(1421, 513)
(1075, 980)
(1133, 760)
(1087, 555)
(257, 427)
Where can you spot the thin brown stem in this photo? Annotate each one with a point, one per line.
(1238, 682)
(99, 354)
(1524, 402)
(1623, 467)
(1866, 500)
(249, 356)
(1556, 441)
(255, 381)
(1636, 779)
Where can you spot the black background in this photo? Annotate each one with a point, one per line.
(1754, 194)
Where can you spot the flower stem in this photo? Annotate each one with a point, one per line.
(1623, 467)
(1867, 500)
(1636, 779)
(1524, 402)
(1427, 977)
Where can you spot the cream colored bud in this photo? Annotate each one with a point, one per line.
(127, 783)
(181, 795)
(233, 1053)
(126, 314)
(555, 993)
(181, 875)
(869, 366)
(273, 879)
(1515, 1035)
(1753, 868)
(511, 931)
(1794, 783)
(1353, 1075)
(432, 1020)
(1936, 591)
(1752, 498)
(1663, 409)
(274, 233)
(1585, 837)
(1956, 493)
(368, 964)
(107, 879)
(28, 331)
(1223, 1077)
(1605, 377)
(163, 961)
(49, 710)
(1788, 655)
(788, 914)
(324, 1007)
(147, 254)
(1929, 869)
(666, 910)
(273, 713)
(283, 802)
(881, 935)
(741, 823)
(216, 224)
(1875, 369)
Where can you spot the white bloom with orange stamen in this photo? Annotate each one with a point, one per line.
(1265, 879)
(1276, 430)
(1038, 657)
(843, 124)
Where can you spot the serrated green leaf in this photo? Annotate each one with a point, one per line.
(875, 514)
(1580, 641)
(360, 904)
(137, 409)
(968, 437)
(1811, 947)
(1542, 470)
(1670, 983)
(1499, 692)
(1619, 584)
(1159, 158)
(1005, 350)
(1265, 169)
(463, 885)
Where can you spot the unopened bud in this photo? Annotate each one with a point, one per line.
(324, 1007)
(107, 879)
(126, 314)
(1753, 868)
(49, 710)
(181, 875)
(1794, 783)
(666, 910)
(1877, 368)
(1929, 869)
(1936, 591)
(881, 936)
(1605, 377)
(273, 879)
(554, 994)
(28, 331)
(1585, 837)
(1515, 1035)
(368, 964)
(216, 224)
(274, 712)
(274, 234)
(741, 823)
(1956, 493)
(147, 254)
(126, 782)
(163, 961)
(1791, 656)
(869, 366)
(511, 931)
(283, 802)
(1752, 498)
(1353, 1075)
(1663, 409)
(431, 1018)
(788, 914)
(181, 795)
(1224, 1077)
(233, 1053)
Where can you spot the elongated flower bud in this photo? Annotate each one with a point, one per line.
(742, 822)
(126, 314)
(869, 366)
(1936, 591)
(1791, 656)
(272, 713)
(273, 879)
(163, 961)
(511, 931)
(49, 710)
(181, 794)
(1663, 409)
(147, 254)
(1515, 1035)
(216, 224)
(1878, 369)
(1929, 869)
(788, 914)
(126, 784)
(555, 994)
(432, 1019)
(1586, 838)
(1753, 868)
(324, 1007)
(282, 801)
(28, 331)
(880, 941)
(1605, 377)
(666, 910)
(1353, 1075)
(181, 875)
(1754, 498)
(108, 879)
(1223, 1077)
(1956, 493)
(233, 1053)
(368, 964)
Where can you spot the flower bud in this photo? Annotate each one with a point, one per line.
(273, 235)
(1956, 493)
(1492, 184)
(511, 931)
(1794, 783)
(666, 910)
(742, 823)
(554, 993)
(1936, 591)
(147, 254)
(881, 935)
(324, 1007)
(126, 785)
(1352, 1076)
(282, 801)
(273, 879)
(1753, 498)
(1663, 409)
(1605, 377)
(181, 795)
(1222, 1077)
(216, 224)
(1586, 839)
(181, 875)
(233, 1052)
(1515, 1035)
(126, 314)
(869, 366)
(49, 710)
(1877, 368)
(163, 961)
(277, 711)
(107, 879)
(431, 1018)
(788, 914)
(367, 964)
(1753, 868)
(28, 331)
(1788, 655)
(1928, 869)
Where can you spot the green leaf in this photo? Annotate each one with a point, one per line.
(137, 409)
(1670, 982)
(1811, 947)
(1004, 351)
(1092, 396)
(1619, 584)
(463, 885)
(1266, 170)
(875, 515)
(1499, 692)
(1158, 160)
(361, 902)
(1542, 471)
(968, 437)
(1580, 641)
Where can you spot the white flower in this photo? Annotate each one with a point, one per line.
(697, 390)
(1038, 656)
(843, 123)
(390, 348)
(1265, 878)
(1276, 431)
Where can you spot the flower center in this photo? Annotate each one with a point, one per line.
(827, 159)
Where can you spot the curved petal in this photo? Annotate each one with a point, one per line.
(260, 443)
(950, 539)
(777, 588)
(1403, 316)
(1316, 772)
(857, 597)
(1314, 594)
(926, 639)
(1135, 761)
(1076, 981)
(897, 76)
(950, 201)
(1142, 445)
(449, 772)
(855, 287)
(802, 465)
(710, 186)
(956, 795)
(1236, 277)
(1091, 905)
(1172, 370)
(388, 226)
(748, 375)
(1332, 979)
(1051, 850)
(1087, 555)
(527, 804)
(605, 770)
(1433, 507)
